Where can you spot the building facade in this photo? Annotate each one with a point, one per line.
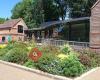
(70, 30)
(12, 30)
(95, 26)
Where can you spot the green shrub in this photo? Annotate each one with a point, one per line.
(49, 63)
(68, 66)
(72, 67)
(49, 49)
(29, 64)
(32, 43)
(20, 45)
(10, 45)
(16, 45)
(3, 52)
(66, 49)
(16, 55)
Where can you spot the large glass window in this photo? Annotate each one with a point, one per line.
(20, 29)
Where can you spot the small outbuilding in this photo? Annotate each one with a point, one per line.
(12, 30)
(95, 26)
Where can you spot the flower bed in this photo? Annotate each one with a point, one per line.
(62, 61)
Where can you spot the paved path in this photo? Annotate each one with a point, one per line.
(12, 73)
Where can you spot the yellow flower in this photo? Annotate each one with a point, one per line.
(62, 56)
(29, 48)
(2, 46)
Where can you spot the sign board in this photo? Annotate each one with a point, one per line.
(35, 54)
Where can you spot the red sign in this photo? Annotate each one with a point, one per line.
(35, 54)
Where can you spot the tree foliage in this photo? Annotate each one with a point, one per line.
(30, 10)
(80, 8)
(34, 12)
(50, 10)
(2, 20)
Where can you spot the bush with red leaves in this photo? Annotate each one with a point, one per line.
(85, 60)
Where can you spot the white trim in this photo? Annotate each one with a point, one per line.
(95, 4)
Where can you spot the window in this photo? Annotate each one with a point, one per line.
(3, 39)
(20, 29)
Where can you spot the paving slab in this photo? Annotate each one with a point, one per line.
(12, 73)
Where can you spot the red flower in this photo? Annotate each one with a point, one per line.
(35, 54)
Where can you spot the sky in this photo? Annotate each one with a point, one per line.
(6, 7)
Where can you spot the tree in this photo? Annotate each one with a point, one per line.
(2, 20)
(62, 8)
(30, 10)
(87, 6)
(51, 12)
(80, 8)
(54, 9)
(35, 12)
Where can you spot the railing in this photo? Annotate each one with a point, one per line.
(74, 44)
(53, 42)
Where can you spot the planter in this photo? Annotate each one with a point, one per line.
(90, 75)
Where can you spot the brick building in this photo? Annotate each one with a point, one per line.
(95, 26)
(12, 30)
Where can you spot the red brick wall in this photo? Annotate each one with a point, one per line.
(95, 27)
(13, 32)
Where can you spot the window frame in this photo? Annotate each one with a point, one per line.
(20, 29)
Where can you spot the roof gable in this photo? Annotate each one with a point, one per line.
(95, 4)
(10, 23)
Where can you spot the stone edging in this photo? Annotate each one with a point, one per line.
(87, 73)
(47, 74)
(35, 71)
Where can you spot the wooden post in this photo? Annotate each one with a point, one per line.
(48, 34)
(70, 27)
(43, 34)
(51, 32)
(86, 31)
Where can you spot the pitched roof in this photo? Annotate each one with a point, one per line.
(50, 23)
(10, 23)
(95, 4)
(47, 24)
